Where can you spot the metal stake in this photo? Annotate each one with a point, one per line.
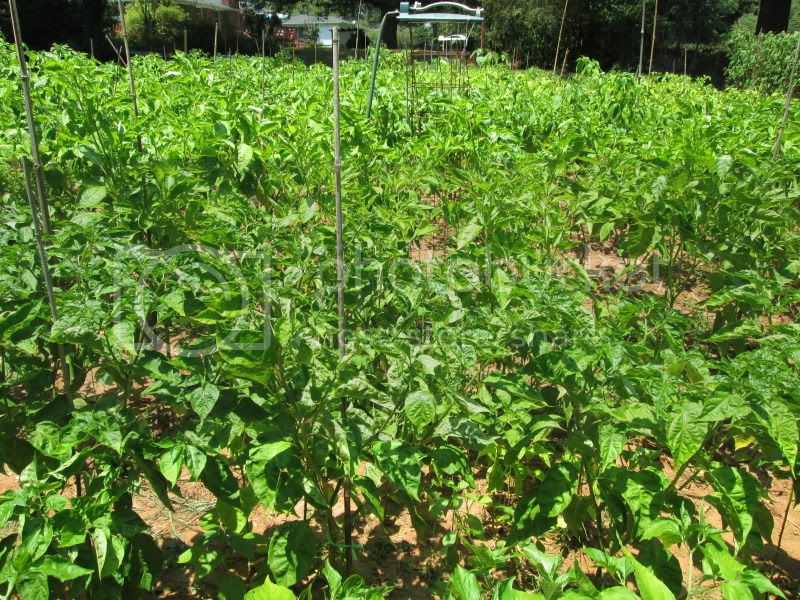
(337, 156)
(26, 94)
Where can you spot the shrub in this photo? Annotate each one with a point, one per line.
(762, 62)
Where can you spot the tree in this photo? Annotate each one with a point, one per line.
(48, 22)
(152, 22)
(773, 16)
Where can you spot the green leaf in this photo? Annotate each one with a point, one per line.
(650, 586)
(612, 442)
(170, 463)
(244, 156)
(196, 461)
(502, 287)
(122, 336)
(736, 590)
(333, 578)
(468, 233)
(735, 331)
(429, 364)
(536, 511)
(686, 433)
(401, 465)
(420, 408)
(203, 398)
(100, 543)
(270, 591)
(33, 587)
(93, 196)
(291, 552)
(782, 427)
(61, 568)
(617, 593)
(465, 585)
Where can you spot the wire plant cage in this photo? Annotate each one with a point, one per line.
(437, 56)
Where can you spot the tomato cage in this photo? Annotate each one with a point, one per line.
(437, 55)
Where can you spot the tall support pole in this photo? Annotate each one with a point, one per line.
(375, 59)
(131, 78)
(41, 193)
(776, 152)
(560, 33)
(48, 279)
(216, 33)
(185, 40)
(337, 159)
(641, 41)
(653, 42)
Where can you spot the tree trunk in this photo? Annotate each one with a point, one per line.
(773, 16)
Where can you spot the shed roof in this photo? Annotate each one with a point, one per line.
(301, 21)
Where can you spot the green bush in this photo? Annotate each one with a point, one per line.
(762, 62)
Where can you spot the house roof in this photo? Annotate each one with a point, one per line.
(301, 21)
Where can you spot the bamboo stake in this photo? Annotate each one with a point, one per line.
(131, 79)
(785, 519)
(116, 51)
(41, 193)
(337, 154)
(776, 153)
(560, 33)
(685, 61)
(216, 30)
(358, 29)
(91, 46)
(48, 279)
(653, 43)
(185, 40)
(641, 43)
(564, 64)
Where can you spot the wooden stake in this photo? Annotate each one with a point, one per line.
(337, 157)
(776, 152)
(216, 30)
(185, 40)
(685, 61)
(116, 51)
(560, 33)
(91, 46)
(48, 280)
(131, 79)
(641, 43)
(564, 64)
(41, 192)
(653, 43)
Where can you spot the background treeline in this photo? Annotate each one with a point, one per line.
(717, 38)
